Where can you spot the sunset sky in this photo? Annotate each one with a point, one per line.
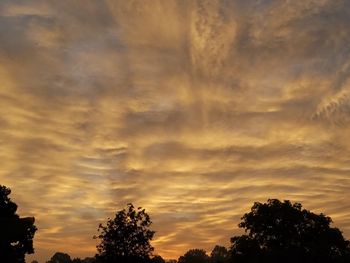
(190, 109)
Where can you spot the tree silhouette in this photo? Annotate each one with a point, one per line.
(157, 259)
(85, 260)
(219, 254)
(194, 256)
(16, 234)
(284, 232)
(126, 238)
(60, 257)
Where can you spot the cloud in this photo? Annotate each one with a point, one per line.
(193, 110)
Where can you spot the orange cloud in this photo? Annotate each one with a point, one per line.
(193, 110)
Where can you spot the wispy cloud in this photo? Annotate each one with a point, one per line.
(191, 109)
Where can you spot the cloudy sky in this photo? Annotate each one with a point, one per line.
(190, 109)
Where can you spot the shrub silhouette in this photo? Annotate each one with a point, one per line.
(16, 234)
(284, 232)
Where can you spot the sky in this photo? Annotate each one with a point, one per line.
(191, 109)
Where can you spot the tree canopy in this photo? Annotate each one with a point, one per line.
(126, 238)
(85, 260)
(60, 257)
(284, 232)
(157, 259)
(16, 234)
(219, 254)
(194, 256)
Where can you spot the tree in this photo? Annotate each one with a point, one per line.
(126, 238)
(284, 232)
(157, 259)
(219, 255)
(60, 257)
(16, 234)
(85, 260)
(194, 256)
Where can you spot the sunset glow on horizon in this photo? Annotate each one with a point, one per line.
(191, 109)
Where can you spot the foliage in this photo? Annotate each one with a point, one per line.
(85, 260)
(126, 238)
(284, 232)
(16, 234)
(219, 254)
(60, 257)
(157, 259)
(194, 256)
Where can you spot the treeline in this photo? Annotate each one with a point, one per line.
(275, 231)
(219, 254)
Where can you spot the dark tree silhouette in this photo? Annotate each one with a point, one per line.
(16, 234)
(194, 256)
(85, 260)
(219, 254)
(284, 232)
(157, 259)
(126, 238)
(60, 257)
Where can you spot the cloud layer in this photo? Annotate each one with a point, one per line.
(191, 109)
